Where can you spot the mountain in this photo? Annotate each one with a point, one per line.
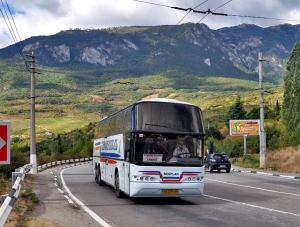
(192, 49)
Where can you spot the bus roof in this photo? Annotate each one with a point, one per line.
(165, 100)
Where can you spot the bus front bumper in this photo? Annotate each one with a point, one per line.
(139, 189)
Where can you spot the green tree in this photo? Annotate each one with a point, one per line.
(277, 108)
(236, 112)
(254, 113)
(291, 95)
(213, 132)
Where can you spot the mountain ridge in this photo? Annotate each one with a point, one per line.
(188, 49)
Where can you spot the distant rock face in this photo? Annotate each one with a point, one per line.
(207, 61)
(103, 54)
(107, 53)
(31, 47)
(60, 53)
(191, 46)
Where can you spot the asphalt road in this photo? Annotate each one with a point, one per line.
(230, 199)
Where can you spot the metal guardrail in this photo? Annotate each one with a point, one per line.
(51, 164)
(9, 200)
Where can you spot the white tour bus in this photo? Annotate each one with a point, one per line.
(134, 150)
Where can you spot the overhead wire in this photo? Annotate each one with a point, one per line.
(12, 32)
(190, 11)
(17, 43)
(207, 12)
(14, 23)
(267, 18)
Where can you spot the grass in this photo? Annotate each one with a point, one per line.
(285, 160)
(247, 161)
(21, 127)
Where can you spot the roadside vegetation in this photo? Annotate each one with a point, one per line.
(24, 204)
(282, 126)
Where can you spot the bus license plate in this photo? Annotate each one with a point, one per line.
(170, 191)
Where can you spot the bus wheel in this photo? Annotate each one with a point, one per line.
(96, 175)
(117, 186)
(99, 181)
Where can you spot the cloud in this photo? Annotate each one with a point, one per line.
(40, 17)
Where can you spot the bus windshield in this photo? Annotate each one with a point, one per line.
(167, 117)
(167, 149)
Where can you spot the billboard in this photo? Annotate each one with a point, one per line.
(244, 127)
(4, 142)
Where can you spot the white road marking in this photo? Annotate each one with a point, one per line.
(269, 174)
(254, 206)
(262, 189)
(90, 212)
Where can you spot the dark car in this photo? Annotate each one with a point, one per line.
(218, 162)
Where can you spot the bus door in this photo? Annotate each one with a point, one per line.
(110, 167)
(104, 161)
(127, 179)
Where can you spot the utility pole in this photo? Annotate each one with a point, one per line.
(32, 118)
(262, 135)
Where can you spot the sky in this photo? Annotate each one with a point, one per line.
(48, 17)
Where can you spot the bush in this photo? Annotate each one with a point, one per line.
(235, 150)
(273, 134)
(250, 161)
(17, 160)
(27, 193)
(295, 137)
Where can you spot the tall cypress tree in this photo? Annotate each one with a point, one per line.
(291, 96)
(236, 112)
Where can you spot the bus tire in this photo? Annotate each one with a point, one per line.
(100, 182)
(96, 175)
(118, 192)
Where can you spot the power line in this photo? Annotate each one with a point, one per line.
(267, 18)
(207, 12)
(12, 32)
(191, 10)
(14, 23)
(14, 36)
(211, 12)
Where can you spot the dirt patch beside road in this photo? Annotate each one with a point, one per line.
(54, 210)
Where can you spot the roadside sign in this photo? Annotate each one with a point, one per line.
(244, 127)
(4, 142)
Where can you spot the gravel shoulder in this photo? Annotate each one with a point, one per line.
(54, 208)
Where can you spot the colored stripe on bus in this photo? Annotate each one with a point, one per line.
(112, 161)
(169, 179)
(112, 155)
